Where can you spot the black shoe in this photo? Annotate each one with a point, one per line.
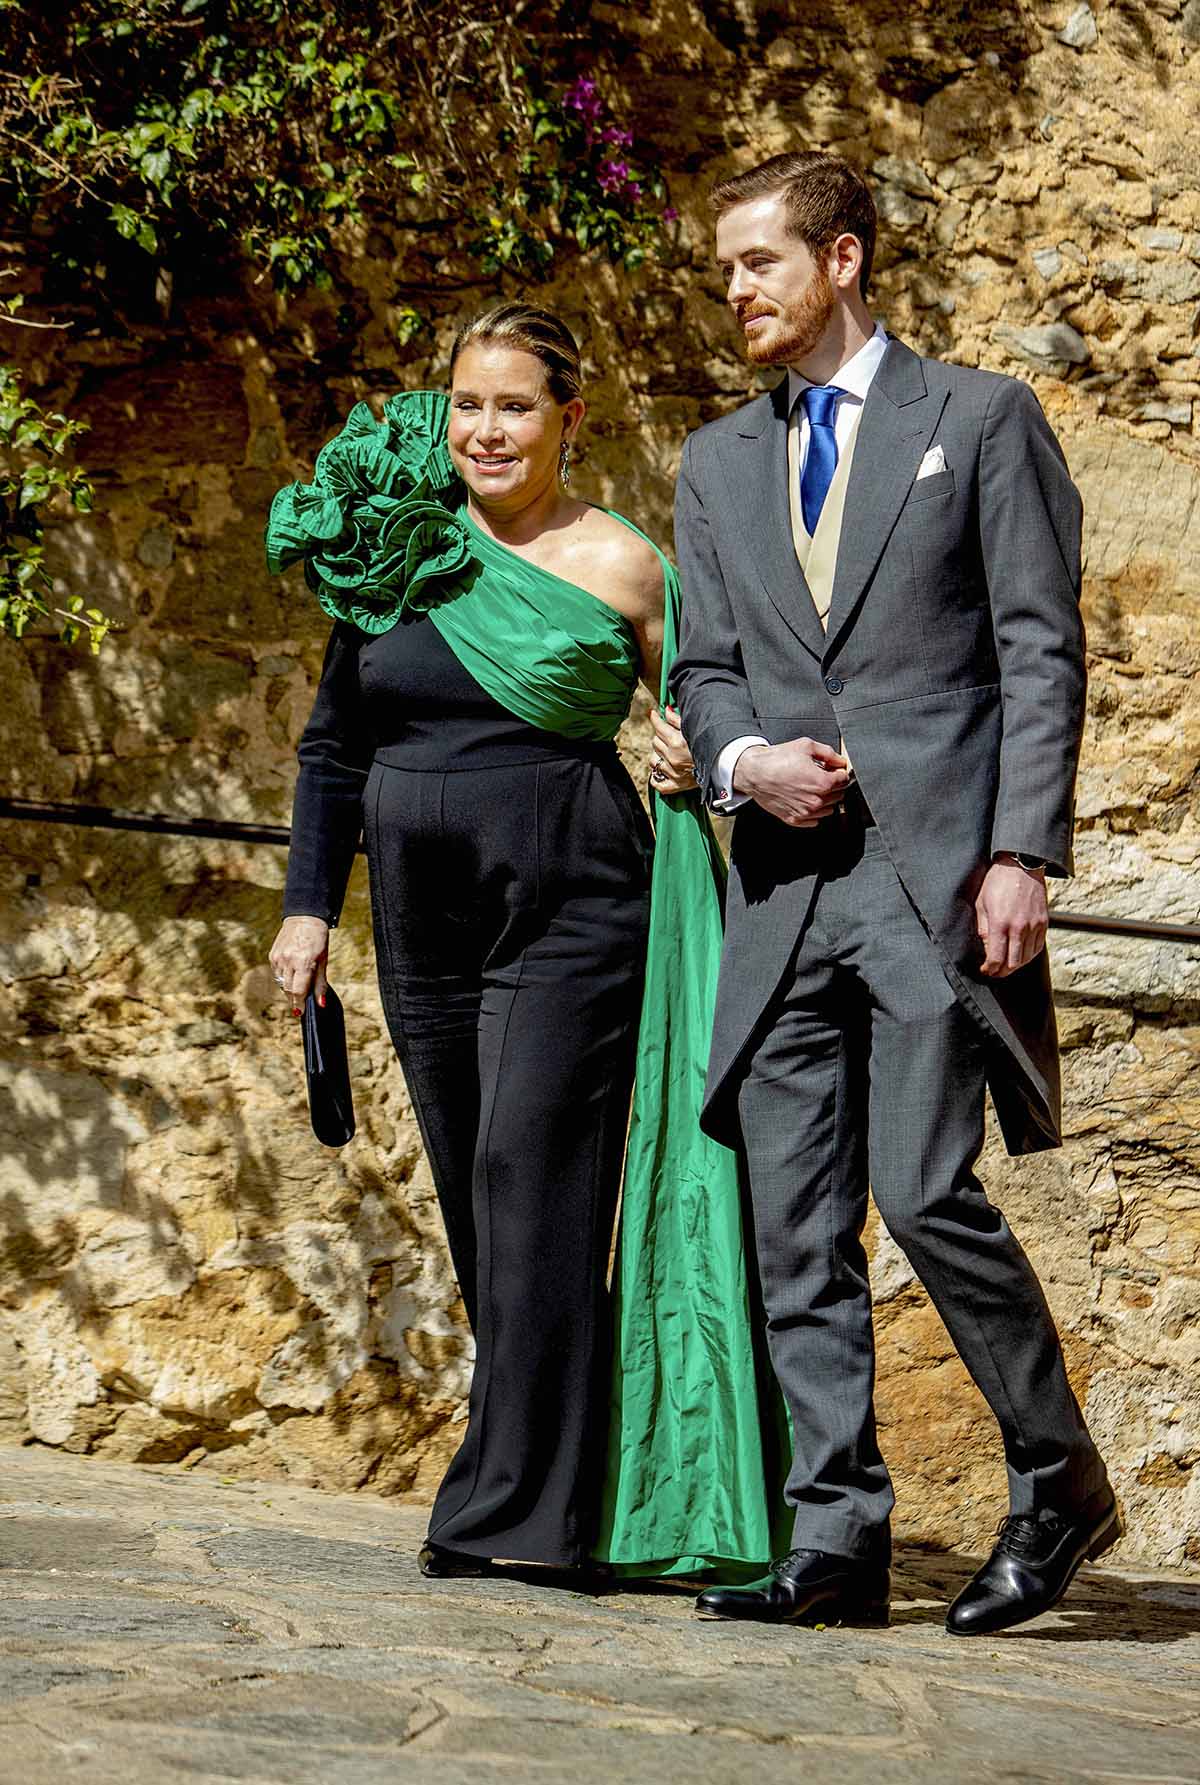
(1032, 1565)
(807, 1586)
(450, 1564)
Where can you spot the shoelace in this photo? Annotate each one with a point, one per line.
(781, 1565)
(1022, 1535)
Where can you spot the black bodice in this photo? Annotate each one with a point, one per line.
(401, 698)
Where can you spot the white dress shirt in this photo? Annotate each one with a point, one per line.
(854, 381)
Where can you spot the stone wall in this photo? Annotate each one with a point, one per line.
(187, 1275)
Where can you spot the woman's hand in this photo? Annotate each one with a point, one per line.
(299, 956)
(671, 769)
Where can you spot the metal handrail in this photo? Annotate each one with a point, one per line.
(158, 824)
(230, 831)
(1123, 926)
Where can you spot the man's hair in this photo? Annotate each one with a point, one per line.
(824, 195)
(535, 331)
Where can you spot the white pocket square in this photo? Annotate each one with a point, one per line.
(933, 462)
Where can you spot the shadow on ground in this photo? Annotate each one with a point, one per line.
(1103, 1604)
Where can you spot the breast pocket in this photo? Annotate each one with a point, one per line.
(926, 488)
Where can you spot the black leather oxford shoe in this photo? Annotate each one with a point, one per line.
(1032, 1565)
(807, 1586)
(450, 1564)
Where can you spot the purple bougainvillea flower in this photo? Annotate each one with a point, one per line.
(670, 214)
(581, 96)
(612, 175)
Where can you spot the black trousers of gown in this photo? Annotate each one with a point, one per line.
(511, 906)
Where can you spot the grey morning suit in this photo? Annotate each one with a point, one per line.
(854, 1035)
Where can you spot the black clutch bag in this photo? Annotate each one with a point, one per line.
(327, 1070)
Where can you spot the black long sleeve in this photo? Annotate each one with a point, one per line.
(335, 757)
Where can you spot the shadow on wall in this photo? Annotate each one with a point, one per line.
(183, 1269)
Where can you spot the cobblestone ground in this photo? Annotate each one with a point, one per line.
(157, 1625)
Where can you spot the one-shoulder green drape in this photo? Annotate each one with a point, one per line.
(692, 1474)
(697, 1434)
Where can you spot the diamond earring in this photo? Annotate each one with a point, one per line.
(564, 463)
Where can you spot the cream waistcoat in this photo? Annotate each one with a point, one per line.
(817, 552)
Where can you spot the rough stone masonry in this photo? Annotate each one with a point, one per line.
(187, 1276)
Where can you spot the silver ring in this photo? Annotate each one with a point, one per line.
(279, 979)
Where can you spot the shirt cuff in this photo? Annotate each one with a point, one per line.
(724, 799)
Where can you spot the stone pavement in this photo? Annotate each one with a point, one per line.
(161, 1625)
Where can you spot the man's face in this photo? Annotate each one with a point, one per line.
(782, 297)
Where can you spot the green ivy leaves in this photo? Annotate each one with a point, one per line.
(33, 474)
(266, 125)
(257, 129)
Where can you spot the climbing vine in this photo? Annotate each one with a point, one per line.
(33, 472)
(141, 140)
(578, 176)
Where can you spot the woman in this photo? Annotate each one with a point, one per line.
(489, 632)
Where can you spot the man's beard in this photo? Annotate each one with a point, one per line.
(797, 327)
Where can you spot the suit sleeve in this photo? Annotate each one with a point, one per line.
(707, 681)
(335, 755)
(1030, 520)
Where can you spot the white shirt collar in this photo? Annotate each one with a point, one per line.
(854, 377)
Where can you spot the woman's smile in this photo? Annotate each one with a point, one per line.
(492, 463)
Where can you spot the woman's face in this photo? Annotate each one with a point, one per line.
(506, 430)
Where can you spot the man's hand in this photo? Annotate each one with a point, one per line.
(1011, 915)
(800, 782)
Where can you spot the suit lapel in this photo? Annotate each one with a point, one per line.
(899, 419)
(756, 459)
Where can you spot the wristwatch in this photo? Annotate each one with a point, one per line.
(1032, 864)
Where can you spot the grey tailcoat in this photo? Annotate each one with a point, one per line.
(952, 669)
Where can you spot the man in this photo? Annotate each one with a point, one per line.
(881, 670)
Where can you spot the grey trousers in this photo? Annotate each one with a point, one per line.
(867, 1069)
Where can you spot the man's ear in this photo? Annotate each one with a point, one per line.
(845, 261)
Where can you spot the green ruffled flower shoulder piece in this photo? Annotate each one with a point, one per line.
(376, 527)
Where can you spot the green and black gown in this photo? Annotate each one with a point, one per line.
(533, 949)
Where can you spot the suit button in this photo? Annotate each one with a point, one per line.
(834, 684)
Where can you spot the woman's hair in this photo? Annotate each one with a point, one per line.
(535, 331)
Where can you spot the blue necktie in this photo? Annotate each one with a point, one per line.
(820, 404)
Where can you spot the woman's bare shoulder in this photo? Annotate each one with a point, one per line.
(631, 562)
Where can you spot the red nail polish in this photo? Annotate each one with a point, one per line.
(295, 1010)
(321, 1000)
